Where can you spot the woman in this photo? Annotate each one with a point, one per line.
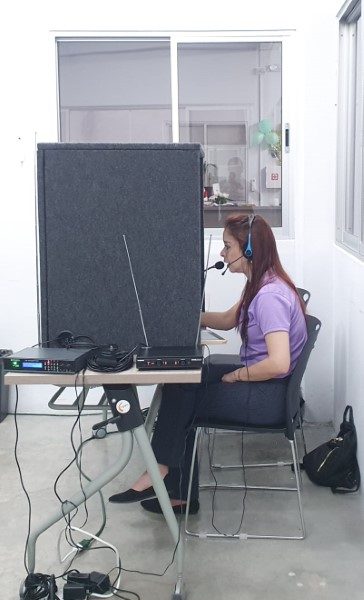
(249, 388)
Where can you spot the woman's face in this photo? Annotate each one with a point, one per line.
(232, 254)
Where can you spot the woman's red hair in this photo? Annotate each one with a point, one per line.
(265, 261)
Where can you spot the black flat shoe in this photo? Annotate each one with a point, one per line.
(132, 496)
(154, 507)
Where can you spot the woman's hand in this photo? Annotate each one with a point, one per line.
(230, 377)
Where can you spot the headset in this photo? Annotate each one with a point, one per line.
(248, 248)
(66, 339)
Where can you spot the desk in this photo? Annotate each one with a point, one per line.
(214, 216)
(127, 381)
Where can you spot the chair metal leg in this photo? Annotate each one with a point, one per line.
(297, 472)
(302, 434)
(213, 434)
(279, 463)
(297, 455)
(245, 535)
(198, 433)
(205, 432)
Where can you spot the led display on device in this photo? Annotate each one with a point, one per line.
(31, 365)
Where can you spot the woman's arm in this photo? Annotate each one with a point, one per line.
(220, 320)
(277, 363)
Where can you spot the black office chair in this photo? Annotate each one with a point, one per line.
(305, 295)
(288, 428)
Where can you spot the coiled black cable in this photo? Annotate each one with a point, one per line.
(40, 587)
(111, 360)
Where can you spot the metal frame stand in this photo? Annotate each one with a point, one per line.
(246, 536)
(131, 425)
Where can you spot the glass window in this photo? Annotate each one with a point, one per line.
(114, 90)
(230, 99)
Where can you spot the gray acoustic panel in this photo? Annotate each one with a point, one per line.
(89, 195)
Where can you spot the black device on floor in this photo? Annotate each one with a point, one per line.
(169, 358)
(48, 360)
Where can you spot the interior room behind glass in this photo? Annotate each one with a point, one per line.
(229, 101)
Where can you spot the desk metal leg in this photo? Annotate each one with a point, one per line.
(89, 490)
(142, 439)
(153, 410)
(124, 402)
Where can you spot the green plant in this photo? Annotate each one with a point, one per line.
(271, 139)
(219, 199)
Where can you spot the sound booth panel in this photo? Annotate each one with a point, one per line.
(89, 197)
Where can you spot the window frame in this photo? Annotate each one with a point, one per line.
(350, 168)
(285, 37)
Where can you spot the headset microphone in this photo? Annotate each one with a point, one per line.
(218, 265)
(231, 263)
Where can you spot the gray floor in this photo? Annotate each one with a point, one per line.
(327, 564)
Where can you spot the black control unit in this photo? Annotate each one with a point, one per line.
(169, 358)
(48, 360)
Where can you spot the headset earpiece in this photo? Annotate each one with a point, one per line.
(248, 249)
(66, 339)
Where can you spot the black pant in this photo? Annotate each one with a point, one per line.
(249, 403)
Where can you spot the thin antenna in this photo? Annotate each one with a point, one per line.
(203, 291)
(136, 291)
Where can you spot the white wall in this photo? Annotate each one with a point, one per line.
(349, 336)
(28, 104)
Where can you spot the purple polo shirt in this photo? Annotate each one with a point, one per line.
(275, 308)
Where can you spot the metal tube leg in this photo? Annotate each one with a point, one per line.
(153, 410)
(303, 435)
(141, 437)
(298, 482)
(88, 491)
(213, 445)
(192, 466)
(298, 456)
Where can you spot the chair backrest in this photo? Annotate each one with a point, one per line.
(305, 295)
(293, 388)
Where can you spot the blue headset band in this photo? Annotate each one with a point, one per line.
(248, 252)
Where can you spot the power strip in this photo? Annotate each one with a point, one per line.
(74, 591)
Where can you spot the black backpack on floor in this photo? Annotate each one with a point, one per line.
(334, 463)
